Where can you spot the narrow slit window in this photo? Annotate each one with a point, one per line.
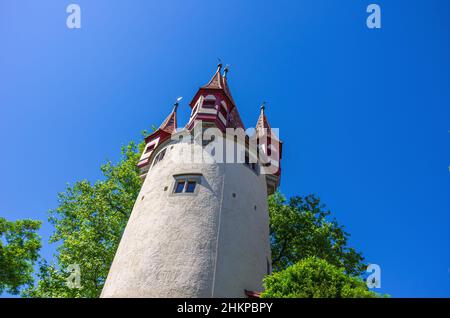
(159, 157)
(247, 158)
(223, 111)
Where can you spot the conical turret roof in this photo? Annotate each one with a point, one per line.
(219, 81)
(262, 125)
(169, 125)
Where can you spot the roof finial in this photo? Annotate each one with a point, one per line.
(263, 106)
(219, 64)
(177, 102)
(225, 70)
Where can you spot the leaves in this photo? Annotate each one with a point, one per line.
(89, 222)
(300, 229)
(313, 277)
(19, 250)
(90, 219)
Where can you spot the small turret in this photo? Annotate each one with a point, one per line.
(214, 104)
(270, 150)
(167, 128)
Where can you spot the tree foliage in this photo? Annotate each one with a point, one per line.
(313, 277)
(90, 219)
(300, 229)
(19, 250)
(89, 222)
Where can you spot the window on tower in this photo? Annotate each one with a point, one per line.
(149, 148)
(179, 187)
(209, 103)
(251, 165)
(186, 183)
(159, 157)
(223, 111)
(194, 110)
(190, 186)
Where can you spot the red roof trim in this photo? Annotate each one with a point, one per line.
(252, 294)
(156, 133)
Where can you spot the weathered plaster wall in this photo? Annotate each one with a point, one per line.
(208, 244)
(244, 250)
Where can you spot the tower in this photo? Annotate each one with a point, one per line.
(200, 228)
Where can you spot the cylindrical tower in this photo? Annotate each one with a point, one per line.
(198, 228)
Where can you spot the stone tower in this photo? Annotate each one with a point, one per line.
(200, 228)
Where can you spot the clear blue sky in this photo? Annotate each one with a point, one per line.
(364, 114)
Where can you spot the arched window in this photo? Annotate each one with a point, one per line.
(159, 156)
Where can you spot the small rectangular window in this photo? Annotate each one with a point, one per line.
(187, 184)
(190, 188)
(149, 148)
(223, 111)
(179, 187)
(209, 103)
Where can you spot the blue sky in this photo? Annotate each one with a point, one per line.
(364, 114)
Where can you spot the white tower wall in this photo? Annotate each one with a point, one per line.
(212, 243)
(244, 252)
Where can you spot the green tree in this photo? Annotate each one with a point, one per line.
(300, 228)
(89, 222)
(313, 277)
(19, 250)
(90, 219)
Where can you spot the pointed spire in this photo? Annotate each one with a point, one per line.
(216, 80)
(225, 83)
(262, 122)
(220, 82)
(225, 71)
(170, 124)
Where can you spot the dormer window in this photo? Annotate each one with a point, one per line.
(209, 103)
(150, 148)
